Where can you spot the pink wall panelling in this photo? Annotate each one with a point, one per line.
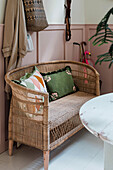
(106, 74)
(72, 52)
(31, 57)
(51, 44)
(2, 97)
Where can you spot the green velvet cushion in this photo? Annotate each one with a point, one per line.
(59, 83)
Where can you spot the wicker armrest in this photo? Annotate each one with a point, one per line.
(28, 98)
(97, 83)
(86, 78)
(97, 77)
(28, 115)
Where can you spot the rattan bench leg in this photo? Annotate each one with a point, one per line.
(46, 159)
(10, 147)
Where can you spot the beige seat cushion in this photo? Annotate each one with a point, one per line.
(63, 109)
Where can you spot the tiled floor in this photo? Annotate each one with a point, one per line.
(81, 152)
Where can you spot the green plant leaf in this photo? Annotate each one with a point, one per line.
(110, 64)
(104, 35)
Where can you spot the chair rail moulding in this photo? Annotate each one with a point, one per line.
(53, 27)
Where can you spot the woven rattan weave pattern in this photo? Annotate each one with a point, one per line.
(52, 124)
(35, 15)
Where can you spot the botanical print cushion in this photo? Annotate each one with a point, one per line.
(59, 83)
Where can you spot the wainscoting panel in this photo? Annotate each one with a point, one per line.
(72, 52)
(31, 57)
(51, 44)
(106, 74)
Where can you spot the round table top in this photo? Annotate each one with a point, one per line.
(97, 116)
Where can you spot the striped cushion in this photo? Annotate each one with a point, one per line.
(34, 82)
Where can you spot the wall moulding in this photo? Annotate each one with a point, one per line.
(55, 27)
(58, 48)
(55, 49)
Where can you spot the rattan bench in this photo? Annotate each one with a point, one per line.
(59, 119)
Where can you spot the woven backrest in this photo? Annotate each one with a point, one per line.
(84, 76)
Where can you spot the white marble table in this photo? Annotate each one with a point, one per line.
(97, 117)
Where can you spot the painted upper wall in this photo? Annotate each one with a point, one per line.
(96, 9)
(78, 12)
(56, 13)
(83, 11)
(2, 9)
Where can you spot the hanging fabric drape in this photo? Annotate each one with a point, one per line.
(15, 35)
(67, 19)
(35, 15)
